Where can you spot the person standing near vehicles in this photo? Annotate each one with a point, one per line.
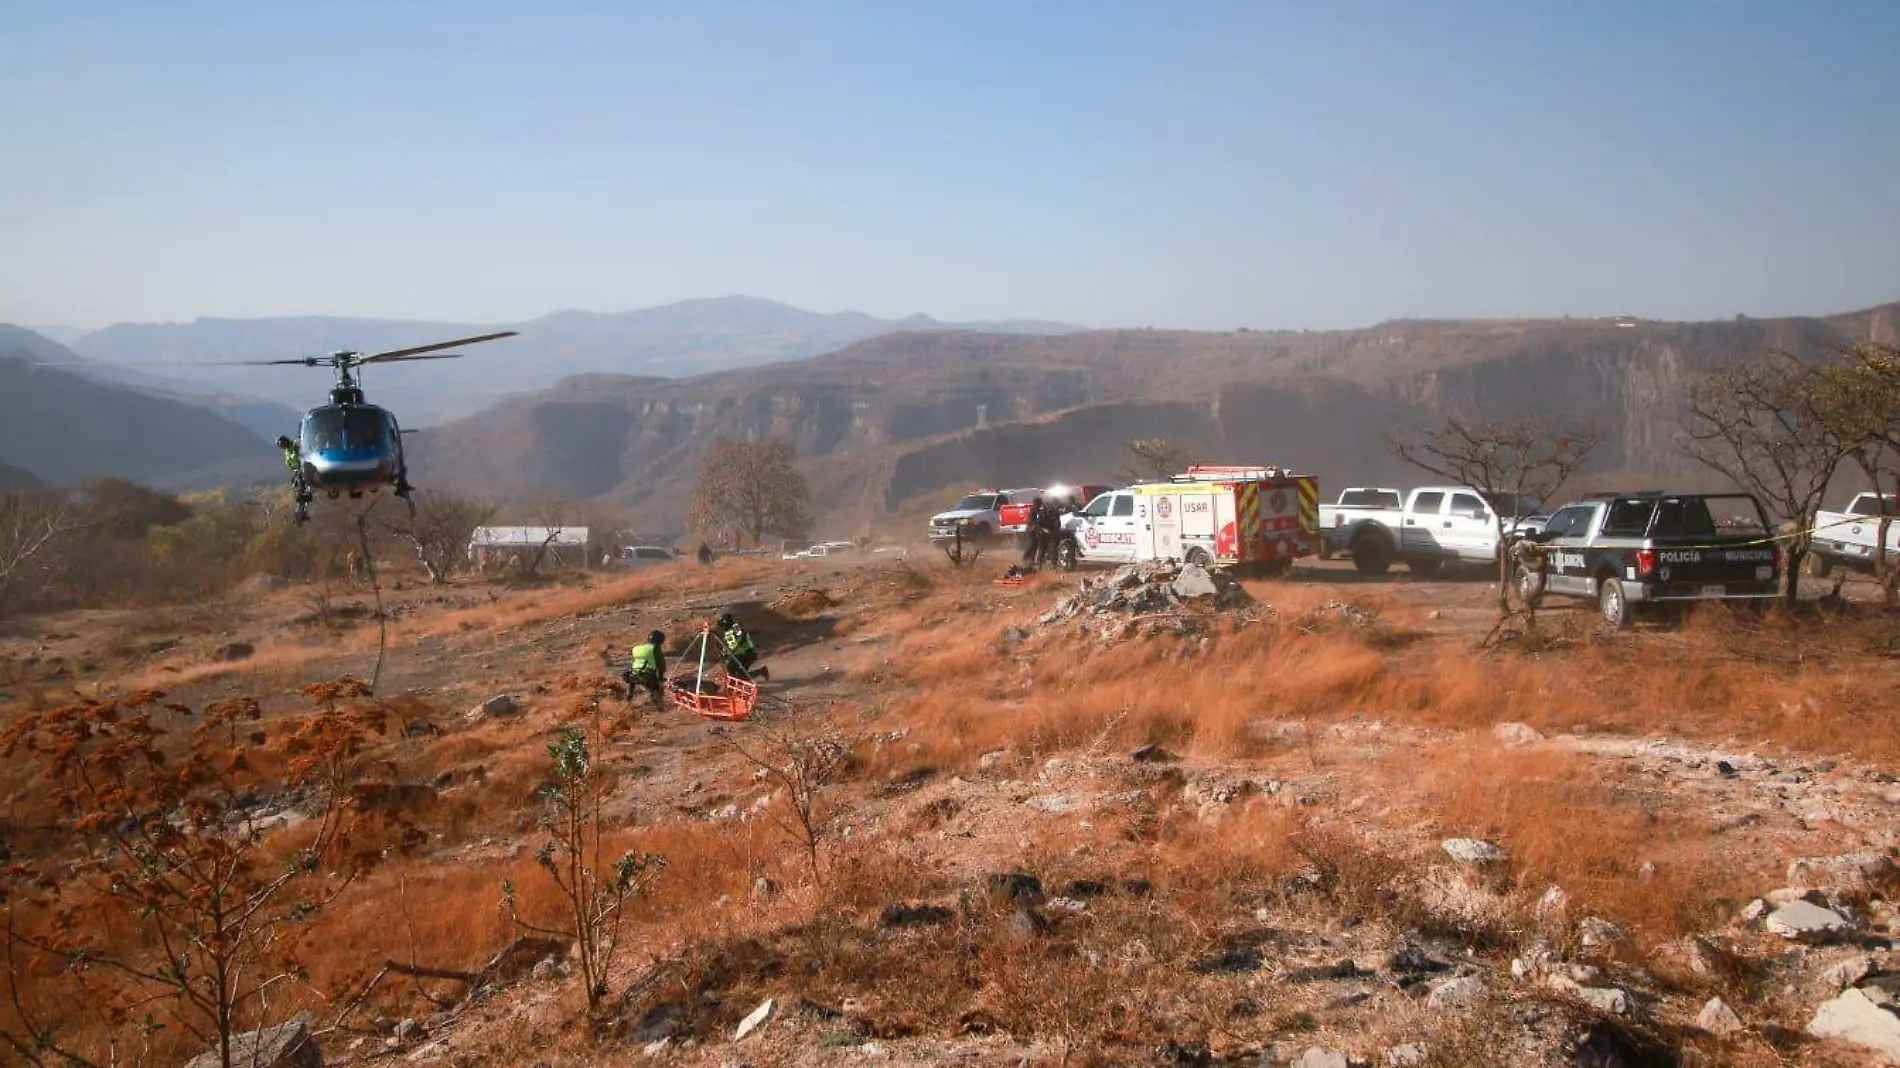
(1051, 530)
(646, 668)
(1032, 553)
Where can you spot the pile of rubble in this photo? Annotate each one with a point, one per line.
(1150, 598)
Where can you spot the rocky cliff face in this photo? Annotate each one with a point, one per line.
(890, 419)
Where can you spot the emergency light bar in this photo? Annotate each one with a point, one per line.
(1220, 472)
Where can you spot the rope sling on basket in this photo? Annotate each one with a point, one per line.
(718, 696)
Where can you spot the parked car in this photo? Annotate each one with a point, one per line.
(1626, 551)
(977, 515)
(1437, 525)
(1334, 518)
(1848, 538)
(645, 556)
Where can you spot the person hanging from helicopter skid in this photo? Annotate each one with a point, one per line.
(294, 463)
(741, 652)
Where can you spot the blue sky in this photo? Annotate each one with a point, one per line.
(1193, 163)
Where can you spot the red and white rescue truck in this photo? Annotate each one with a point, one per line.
(1256, 518)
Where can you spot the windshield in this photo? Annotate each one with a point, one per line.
(1370, 498)
(329, 429)
(975, 502)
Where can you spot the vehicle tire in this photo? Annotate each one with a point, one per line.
(1198, 557)
(1819, 566)
(1425, 566)
(1066, 556)
(1614, 606)
(1372, 555)
(1530, 586)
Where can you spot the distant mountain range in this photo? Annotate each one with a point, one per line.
(912, 416)
(688, 338)
(61, 425)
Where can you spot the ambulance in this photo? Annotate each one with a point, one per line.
(1257, 518)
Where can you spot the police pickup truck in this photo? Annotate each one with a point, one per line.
(1627, 550)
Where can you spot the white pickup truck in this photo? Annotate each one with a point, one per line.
(1437, 525)
(1353, 503)
(1847, 539)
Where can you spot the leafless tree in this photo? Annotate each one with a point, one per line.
(801, 759)
(31, 524)
(1156, 459)
(439, 531)
(1511, 464)
(752, 489)
(1753, 421)
(1857, 396)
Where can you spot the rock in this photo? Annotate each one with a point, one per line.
(1152, 754)
(520, 957)
(1015, 886)
(914, 916)
(1472, 850)
(1804, 922)
(991, 760)
(1193, 582)
(409, 1031)
(1068, 904)
(1604, 999)
(1516, 734)
(1014, 635)
(1847, 973)
(1861, 874)
(499, 705)
(1783, 895)
(1754, 910)
(660, 1023)
(420, 728)
(1594, 931)
(1023, 925)
(1553, 902)
(1052, 803)
(1409, 1055)
(1459, 991)
(1726, 769)
(286, 1046)
(1315, 1057)
(544, 971)
(234, 651)
(754, 1021)
(654, 1049)
(1853, 1017)
(1717, 1018)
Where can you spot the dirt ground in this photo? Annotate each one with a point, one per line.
(1238, 823)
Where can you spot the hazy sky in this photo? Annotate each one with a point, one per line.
(1179, 163)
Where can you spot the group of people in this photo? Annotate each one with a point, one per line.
(646, 666)
(1045, 533)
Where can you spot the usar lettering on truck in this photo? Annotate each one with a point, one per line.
(1626, 552)
(1253, 518)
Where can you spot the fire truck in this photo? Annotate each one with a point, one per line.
(1258, 518)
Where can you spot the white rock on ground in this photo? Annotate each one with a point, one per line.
(1804, 922)
(1457, 991)
(1717, 1018)
(1847, 973)
(1407, 1056)
(1316, 1057)
(1472, 850)
(753, 1022)
(1606, 999)
(1853, 1017)
(1194, 581)
(1516, 734)
(1596, 931)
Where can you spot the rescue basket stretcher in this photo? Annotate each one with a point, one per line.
(723, 696)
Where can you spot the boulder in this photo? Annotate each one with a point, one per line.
(1516, 734)
(1459, 991)
(1472, 850)
(285, 1046)
(1604, 999)
(1193, 582)
(1596, 932)
(1854, 1017)
(1315, 1057)
(1806, 922)
(1847, 973)
(1717, 1018)
(1409, 1055)
(1859, 874)
(501, 704)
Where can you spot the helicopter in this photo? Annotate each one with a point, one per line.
(350, 445)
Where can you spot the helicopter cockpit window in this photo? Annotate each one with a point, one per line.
(328, 429)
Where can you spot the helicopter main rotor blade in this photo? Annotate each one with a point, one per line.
(404, 359)
(401, 354)
(303, 361)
